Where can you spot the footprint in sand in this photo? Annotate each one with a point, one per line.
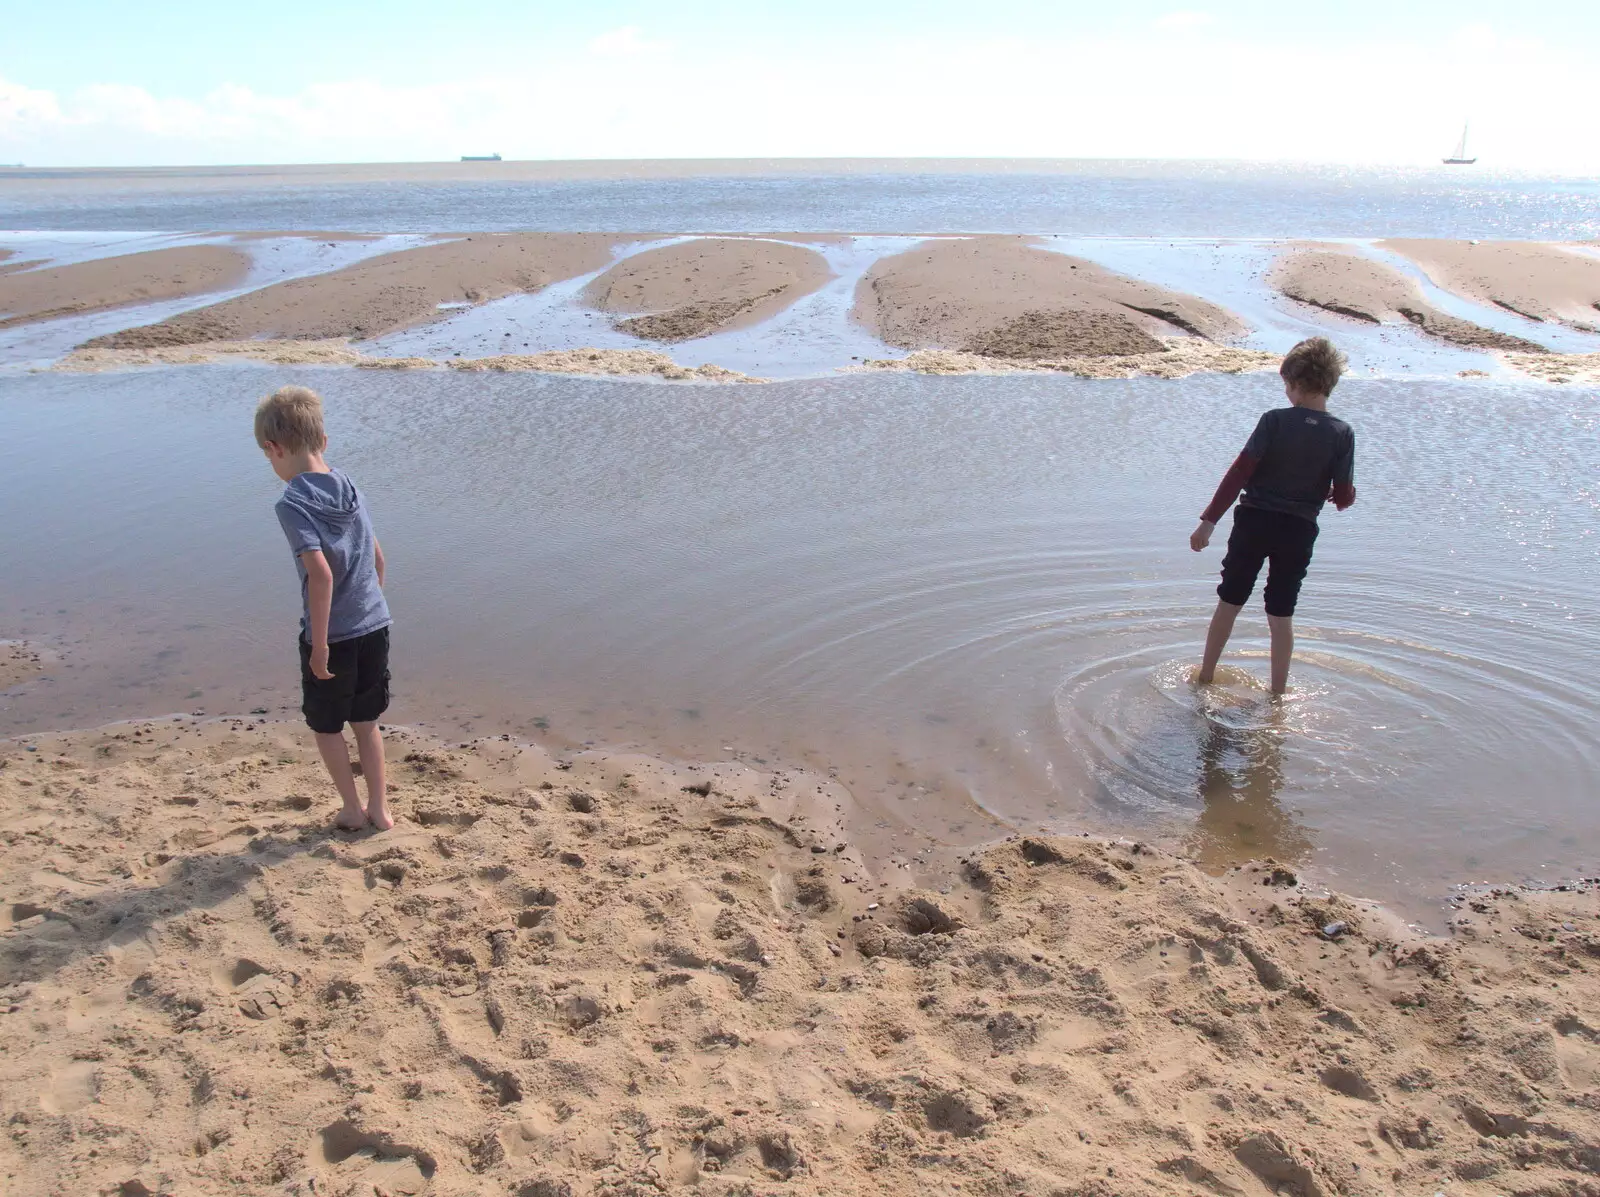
(373, 1164)
(257, 994)
(23, 915)
(71, 1088)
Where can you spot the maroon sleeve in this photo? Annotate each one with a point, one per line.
(1232, 483)
(1343, 495)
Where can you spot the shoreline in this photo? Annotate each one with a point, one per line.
(719, 307)
(195, 957)
(850, 826)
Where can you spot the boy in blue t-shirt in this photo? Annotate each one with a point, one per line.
(1297, 458)
(344, 631)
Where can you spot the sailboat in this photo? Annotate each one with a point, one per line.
(1458, 156)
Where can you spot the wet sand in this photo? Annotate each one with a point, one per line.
(1006, 297)
(51, 292)
(679, 292)
(617, 363)
(1540, 281)
(19, 662)
(597, 973)
(1174, 357)
(1558, 367)
(382, 294)
(1347, 284)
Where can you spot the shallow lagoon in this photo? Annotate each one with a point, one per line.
(973, 597)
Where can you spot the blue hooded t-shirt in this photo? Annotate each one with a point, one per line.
(325, 511)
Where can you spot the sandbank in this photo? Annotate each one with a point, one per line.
(382, 294)
(1539, 280)
(1005, 297)
(596, 974)
(1348, 284)
(689, 289)
(178, 272)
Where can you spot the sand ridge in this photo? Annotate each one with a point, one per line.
(598, 975)
(382, 294)
(1349, 284)
(177, 272)
(693, 288)
(1003, 296)
(1538, 280)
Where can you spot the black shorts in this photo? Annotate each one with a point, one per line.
(358, 691)
(1276, 536)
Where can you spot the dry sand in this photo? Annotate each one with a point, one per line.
(382, 294)
(337, 352)
(581, 977)
(687, 290)
(1174, 357)
(1349, 284)
(1535, 279)
(27, 296)
(1006, 297)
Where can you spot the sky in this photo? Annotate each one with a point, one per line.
(177, 82)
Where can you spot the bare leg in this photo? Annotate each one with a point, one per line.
(1217, 640)
(1282, 627)
(369, 743)
(337, 757)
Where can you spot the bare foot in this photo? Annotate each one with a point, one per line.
(353, 820)
(380, 817)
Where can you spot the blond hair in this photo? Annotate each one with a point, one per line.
(1313, 365)
(291, 418)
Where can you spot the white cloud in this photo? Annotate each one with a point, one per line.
(19, 105)
(1184, 20)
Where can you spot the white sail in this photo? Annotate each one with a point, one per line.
(1461, 146)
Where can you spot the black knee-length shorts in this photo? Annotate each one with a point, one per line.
(358, 691)
(1267, 536)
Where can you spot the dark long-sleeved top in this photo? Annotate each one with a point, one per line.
(1295, 460)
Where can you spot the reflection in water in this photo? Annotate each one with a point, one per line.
(1241, 773)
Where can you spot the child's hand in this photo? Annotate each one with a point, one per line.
(319, 662)
(1201, 536)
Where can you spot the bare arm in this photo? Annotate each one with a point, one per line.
(319, 600)
(377, 560)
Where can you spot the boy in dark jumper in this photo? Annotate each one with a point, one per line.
(1297, 458)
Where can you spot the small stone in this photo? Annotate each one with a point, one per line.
(1569, 926)
(872, 906)
(1334, 930)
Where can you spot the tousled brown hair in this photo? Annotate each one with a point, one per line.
(1314, 365)
(291, 417)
